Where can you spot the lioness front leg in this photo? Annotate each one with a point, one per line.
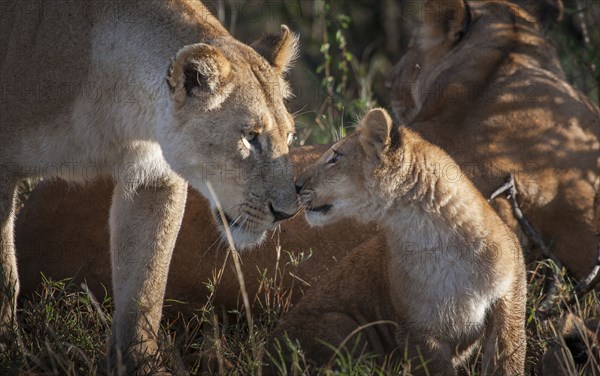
(9, 282)
(144, 226)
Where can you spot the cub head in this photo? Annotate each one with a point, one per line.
(228, 128)
(341, 184)
(460, 46)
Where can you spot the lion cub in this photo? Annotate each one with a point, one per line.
(448, 276)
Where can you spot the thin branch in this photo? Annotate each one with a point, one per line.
(509, 187)
(552, 291)
(584, 286)
(588, 283)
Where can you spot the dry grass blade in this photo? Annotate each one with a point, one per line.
(96, 305)
(239, 273)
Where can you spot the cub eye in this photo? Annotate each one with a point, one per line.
(250, 140)
(334, 158)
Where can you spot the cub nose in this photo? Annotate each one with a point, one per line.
(279, 216)
(298, 187)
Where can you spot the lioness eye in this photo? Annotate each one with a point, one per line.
(334, 158)
(250, 140)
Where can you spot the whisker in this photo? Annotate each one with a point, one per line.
(239, 220)
(301, 111)
(298, 212)
(211, 246)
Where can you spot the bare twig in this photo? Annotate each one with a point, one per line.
(510, 188)
(551, 289)
(588, 283)
(584, 286)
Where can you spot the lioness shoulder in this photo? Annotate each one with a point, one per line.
(482, 80)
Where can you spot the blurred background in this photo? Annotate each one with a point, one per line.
(348, 46)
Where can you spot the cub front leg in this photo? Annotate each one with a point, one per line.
(144, 226)
(505, 338)
(9, 282)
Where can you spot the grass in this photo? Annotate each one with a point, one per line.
(64, 329)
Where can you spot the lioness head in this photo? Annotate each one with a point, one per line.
(228, 128)
(340, 183)
(458, 47)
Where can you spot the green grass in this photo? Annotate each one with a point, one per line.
(64, 330)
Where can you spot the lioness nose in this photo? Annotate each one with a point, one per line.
(277, 215)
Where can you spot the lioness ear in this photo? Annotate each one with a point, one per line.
(445, 20)
(374, 132)
(545, 12)
(198, 70)
(280, 50)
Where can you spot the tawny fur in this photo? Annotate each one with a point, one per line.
(153, 94)
(490, 91)
(58, 236)
(449, 274)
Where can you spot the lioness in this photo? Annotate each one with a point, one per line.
(449, 274)
(481, 80)
(152, 94)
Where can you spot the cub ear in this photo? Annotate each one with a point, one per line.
(545, 12)
(280, 50)
(445, 20)
(374, 132)
(198, 70)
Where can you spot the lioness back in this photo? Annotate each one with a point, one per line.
(482, 81)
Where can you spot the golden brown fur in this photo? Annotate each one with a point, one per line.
(58, 236)
(486, 85)
(154, 94)
(448, 275)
